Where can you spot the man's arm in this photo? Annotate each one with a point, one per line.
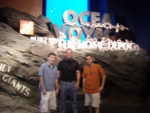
(103, 78)
(83, 85)
(58, 79)
(57, 85)
(83, 80)
(78, 79)
(42, 84)
(102, 82)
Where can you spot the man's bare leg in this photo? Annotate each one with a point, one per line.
(49, 111)
(90, 109)
(97, 110)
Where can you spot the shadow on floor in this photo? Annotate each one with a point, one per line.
(108, 108)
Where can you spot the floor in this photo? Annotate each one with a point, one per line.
(108, 108)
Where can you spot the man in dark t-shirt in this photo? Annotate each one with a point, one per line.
(69, 76)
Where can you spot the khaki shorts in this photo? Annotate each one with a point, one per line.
(48, 101)
(92, 99)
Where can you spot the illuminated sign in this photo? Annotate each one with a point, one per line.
(105, 44)
(80, 28)
(26, 27)
(90, 28)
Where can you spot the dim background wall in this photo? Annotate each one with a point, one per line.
(33, 7)
(137, 17)
(135, 13)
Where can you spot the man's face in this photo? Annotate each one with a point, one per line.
(52, 59)
(89, 60)
(69, 54)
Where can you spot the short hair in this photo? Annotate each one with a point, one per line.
(51, 54)
(69, 49)
(89, 55)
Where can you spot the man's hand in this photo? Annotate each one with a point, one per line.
(44, 91)
(57, 91)
(83, 90)
(100, 89)
(76, 85)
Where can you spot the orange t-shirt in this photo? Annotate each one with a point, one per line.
(92, 76)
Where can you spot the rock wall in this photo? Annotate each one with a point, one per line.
(20, 58)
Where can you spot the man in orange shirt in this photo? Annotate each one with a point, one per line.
(92, 83)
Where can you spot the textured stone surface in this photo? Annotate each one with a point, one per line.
(20, 58)
(12, 17)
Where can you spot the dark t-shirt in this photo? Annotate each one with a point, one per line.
(68, 69)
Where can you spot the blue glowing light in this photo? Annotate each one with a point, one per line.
(56, 8)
